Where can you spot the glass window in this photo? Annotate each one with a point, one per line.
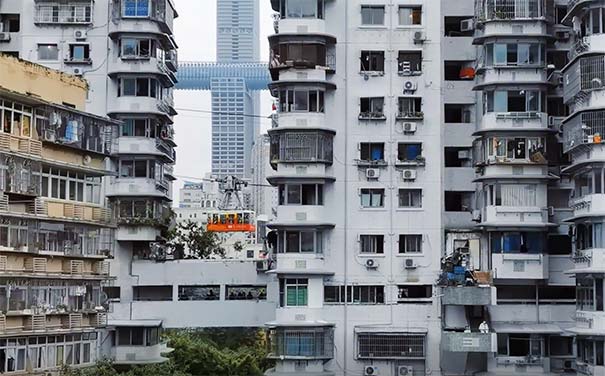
(371, 243)
(410, 243)
(372, 15)
(48, 52)
(410, 198)
(410, 15)
(372, 198)
(296, 291)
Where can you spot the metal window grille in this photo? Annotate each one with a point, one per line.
(390, 346)
(302, 147)
(309, 343)
(510, 9)
(592, 72)
(75, 13)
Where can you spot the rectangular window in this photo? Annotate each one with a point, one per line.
(199, 292)
(79, 52)
(354, 294)
(136, 8)
(372, 14)
(409, 152)
(371, 244)
(414, 293)
(410, 15)
(372, 61)
(48, 52)
(244, 292)
(300, 242)
(372, 198)
(410, 198)
(410, 243)
(371, 107)
(294, 292)
(409, 62)
(371, 151)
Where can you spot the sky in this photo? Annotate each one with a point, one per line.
(195, 33)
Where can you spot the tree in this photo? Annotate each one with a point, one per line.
(192, 237)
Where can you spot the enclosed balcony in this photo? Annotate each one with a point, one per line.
(147, 146)
(153, 16)
(73, 12)
(516, 109)
(585, 76)
(301, 52)
(519, 255)
(126, 186)
(301, 146)
(511, 17)
(584, 129)
(301, 343)
(468, 342)
(138, 342)
(295, 16)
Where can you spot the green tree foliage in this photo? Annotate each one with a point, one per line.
(193, 237)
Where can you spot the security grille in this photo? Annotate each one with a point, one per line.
(312, 343)
(390, 346)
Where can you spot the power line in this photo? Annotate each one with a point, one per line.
(223, 113)
(216, 181)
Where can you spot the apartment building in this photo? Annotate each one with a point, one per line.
(200, 195)
(423, 222)
(582, 129)
(125, 50)
(56, 229)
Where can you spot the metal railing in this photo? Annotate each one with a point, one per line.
(302, 147)
(489, 10)
(302, 343)
(586, 128)
(71, 13)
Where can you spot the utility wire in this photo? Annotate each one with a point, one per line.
(223, 113)
(216, 181)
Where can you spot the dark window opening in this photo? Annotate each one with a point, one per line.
(11, 23)
(371, 151)
(457, 113)
(458, 70)
(79, 52)
(409, 152)
(457, 27)
(152, 293)
(456, 201)
(199, 292)
(372, 61)
(112, 292)
(371, 107)
(457, 157)
(558, 58)
(556, 107)
(408, 293)
(409, 62)
(559, 244)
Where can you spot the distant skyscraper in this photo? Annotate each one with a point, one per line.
(233, 130)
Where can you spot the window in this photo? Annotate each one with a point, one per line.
(301, 101)
(79, 52)
(414, 293)
(140, 87)
(389, 346)
(152, 293)
(300, 242)
(300, 55)
(458, 201)
(16, 119)
(137, 336)
(68, 185)
(136, 8)
(458, 157)
(293, 292)
(11, 22)
(371, 108)
(354, 294)
(48, 52)
(410, 243)
(517, 242)
(531, 149)
(199, 292)
(140, 128)
(244, 292)
(297, 342)
(457, 113)
(410, 15)
(371, 244)
(372, 198)
(372, 61)
(371, 151)
(372, 14)
(410, 107)
(527, 345)
(458, 70)
(137, 48)
(409, 152)
(301, 194)
(301, 8)
(137, 168)
(409, 62)
(514, 54)
(510, 194)
(410, 198)
(514, 101)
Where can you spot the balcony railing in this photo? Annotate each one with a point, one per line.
(490, 10)
(165, 148)
(309, 147)
(301, 343)
(76, 13)
(585, 128)
(586, 74)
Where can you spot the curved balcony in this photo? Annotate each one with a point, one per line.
(589, 260)
(147, 146)
(295, 145)
(589, 323)
(584, 81)
(302, 213)
(138, 187)
(301, 52)
(138, 65)
(142, 105)
(157, 15)
(587, 206)
(302, 119)
(493, 216)
(495, 75)
(522, 18)
(528, 121)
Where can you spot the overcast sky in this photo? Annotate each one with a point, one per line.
(195, 32)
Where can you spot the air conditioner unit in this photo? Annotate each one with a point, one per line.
(371, 264)
(467, 25)
(372, 173)
(408, 174)
(409, 264)
(370, 371)
(419, 37)
(464, 154)
(405, 371)
(80, 34)
(409, 127)
(262, 266)
(78, 72)
(410, 86)
(5, 37)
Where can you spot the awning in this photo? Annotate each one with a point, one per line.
(135, 323)
(298, 324)
(287, 272)
(390, 329)
(531, 328)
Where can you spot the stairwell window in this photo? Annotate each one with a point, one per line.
(410, 15)
(410, 198)
(372, 61)
(371, 244)
(372, 14)
(300, 242)
(372, 197)
(293, 292)
(136, 8)
(410, 243)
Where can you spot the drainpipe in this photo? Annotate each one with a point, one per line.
(391, 141)
(346, 186)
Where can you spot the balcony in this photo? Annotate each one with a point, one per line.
(515, 121)
(514, 216)
(587, 74)
(147, 146)
(518, 74)
(156, 17)
(585, 128)
(318, 343)
(143, 65)
(588, 204)
(142, 233)
(70, 13)
(410, 115)
(301, 146)
(468, 295)
(69, 210)
(138, 187)
(302, 214)
(469, 342)
(142, 105)
(520, 266)
(589, 322)
(510, 10)
(131, 355)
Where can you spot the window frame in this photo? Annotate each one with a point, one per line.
(372, 192)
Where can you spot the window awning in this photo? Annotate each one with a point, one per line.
(527, 328)
(135, 323)
(391, 330)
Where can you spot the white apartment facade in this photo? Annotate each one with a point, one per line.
(408, 131)
(126, 51)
